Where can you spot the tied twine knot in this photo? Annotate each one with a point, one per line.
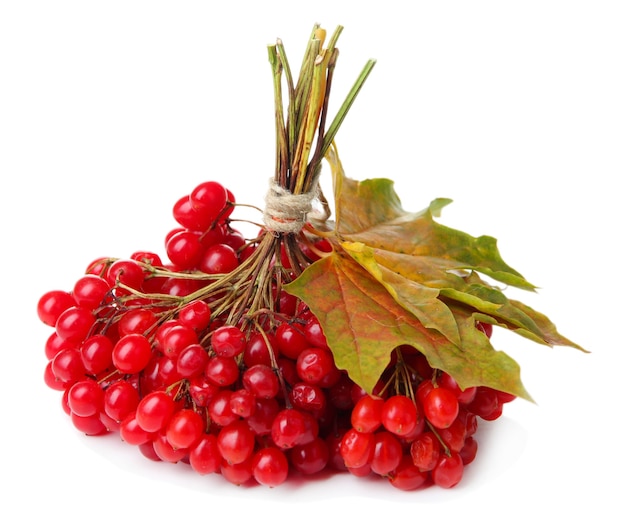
(285, 212)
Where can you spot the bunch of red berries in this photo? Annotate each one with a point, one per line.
(205, 360)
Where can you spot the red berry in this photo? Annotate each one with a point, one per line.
(270, 466)
(366, 415)
(184, 428)
(219, 259)
(210, 197)
(154, 411)
(448, 471)
(440, 407)
(52, 304)
(228, 341)
(132, 353)
(399, 415)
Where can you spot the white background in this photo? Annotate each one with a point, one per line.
(109, 111)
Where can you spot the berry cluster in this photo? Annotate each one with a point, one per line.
(196, 361)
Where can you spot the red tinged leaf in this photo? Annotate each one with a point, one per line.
(398, 277)
(363, 323)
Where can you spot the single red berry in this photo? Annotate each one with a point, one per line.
(441, 407)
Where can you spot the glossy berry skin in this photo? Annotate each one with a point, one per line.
(127, 272)
(314, 364)
(425, 451)
(366, 415)
(289, 428)
(184, 249)
(196, 315)
(204, 456)
(261, 381)
(120, 399)
(154, 411)
(387, 453)
(228, 341)
(236, 442)
(85, 398)
(192, 361)
(357, 448)
(219, 259)
(132, 353)
(52, 304)
(90, 291)
(441, 407)
(74, 324)
(399, 415)
(270, 466)
(184, 428)
(310, 458)
(190, 217)
(448, 471)
(210, 197)
(96, 353)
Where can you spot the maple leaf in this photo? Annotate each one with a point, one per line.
(400, 278)
(363, 324)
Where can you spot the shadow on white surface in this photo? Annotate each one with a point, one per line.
(501, 443)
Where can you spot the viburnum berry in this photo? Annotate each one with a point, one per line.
(67, 366)
(289, 428)
(448, 470)
(184, 249)
(192, 361)
(85, 398)
(184, 428)
(308, 397)
(399, 415)
(90, 291)
(310, 458)
(210, 197)
(120, 400)
(366, 415)
(291, 340)
(222, 371)
(204, 456)
(166, 451)
(236, 473)
(189, 216)
(386, 454)
(196, 315)
(132, 433)
(242, 403)
(425, 451)
(469, 450)
(74, 324)
(219, 410)
(89, 425)
(155, 410)
(441, 407)
(262, 418)
(97, 353)
(314, 364)
(52, 304)
(236, 442)
(137, 320)
(131, 353)
(218, 259)
(127, 272)
(357, 448)
(406, 476)
(228, 341)
(270, 466)
(261, 381)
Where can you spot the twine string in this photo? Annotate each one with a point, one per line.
(285, 212)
